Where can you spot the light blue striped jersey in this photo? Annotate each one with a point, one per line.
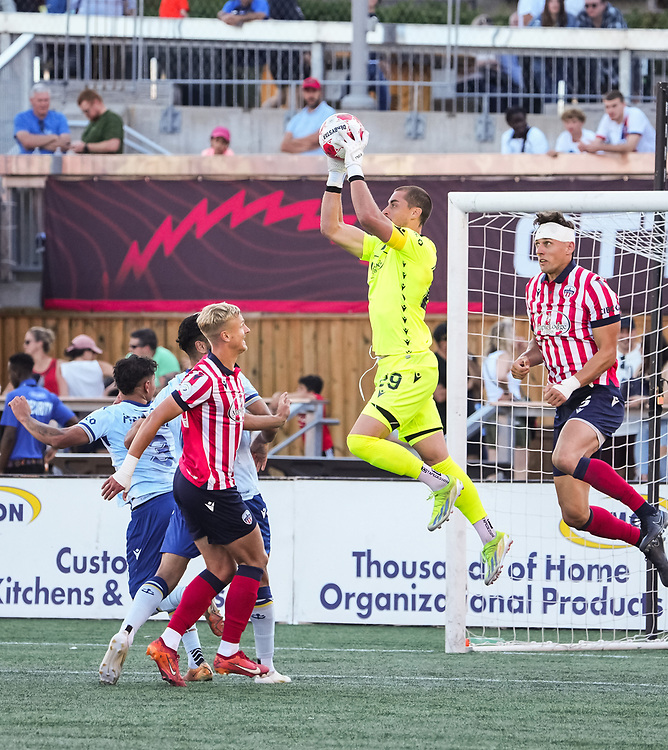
(154, 473)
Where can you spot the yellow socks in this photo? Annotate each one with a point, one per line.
(469, 501)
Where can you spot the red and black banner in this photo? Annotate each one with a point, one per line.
(160, 245)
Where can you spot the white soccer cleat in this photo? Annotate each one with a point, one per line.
(112, 664)
(272, 678)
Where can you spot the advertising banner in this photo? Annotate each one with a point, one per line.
(159, 245)
(342, 552)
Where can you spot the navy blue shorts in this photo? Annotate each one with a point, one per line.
(601, 406)
(177, 538)
(144, 537)
(219, 515)
(259, 510)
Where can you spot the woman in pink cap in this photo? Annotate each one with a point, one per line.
(220, 143)
(84, 373)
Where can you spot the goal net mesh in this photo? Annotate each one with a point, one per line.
(560, 588)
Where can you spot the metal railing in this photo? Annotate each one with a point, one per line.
(410, 67)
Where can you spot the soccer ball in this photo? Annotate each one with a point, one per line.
(335, 126)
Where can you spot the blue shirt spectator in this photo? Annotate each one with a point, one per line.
(19, 451)
(56, 6)
(238, 12)
(41, 127)
(301, 133)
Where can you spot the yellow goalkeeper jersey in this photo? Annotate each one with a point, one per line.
(400, 275)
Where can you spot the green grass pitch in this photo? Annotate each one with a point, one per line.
(353, 687)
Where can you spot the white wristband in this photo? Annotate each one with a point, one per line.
(336, 179)
(568, 386)
(354, 170)
(124, 475)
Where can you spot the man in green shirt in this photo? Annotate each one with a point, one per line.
(104, 132)
(144, 343)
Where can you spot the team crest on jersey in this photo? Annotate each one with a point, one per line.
(569, 291)
(247, 517)
(235, 413)
(554, 326)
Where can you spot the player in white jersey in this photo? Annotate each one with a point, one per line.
(150, 497)
(251, 455)
(575, 317)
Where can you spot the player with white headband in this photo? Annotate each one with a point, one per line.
(575, 320)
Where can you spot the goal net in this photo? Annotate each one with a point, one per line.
(560, 588)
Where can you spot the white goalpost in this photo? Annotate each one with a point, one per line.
(560, 589)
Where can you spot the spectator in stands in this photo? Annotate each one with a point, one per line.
(629, 351)
(20, 453)
(522, 138)
(310, 387)
(440, 336)
(239, 12)
(528, 11)
(548, 71)
(220, 143)
(567, 142)
(622, 129)
(37, 342)
(7, 6)
(600, 73)
(301, 136)
(144, 343)
(600, 14)
(84, 373)
(104, 7)
(501, 387)
(174, 9)
(104, 132)
(41, 127)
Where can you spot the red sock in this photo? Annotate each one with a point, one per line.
(604, 478)
(602, 523)
(194, 602)
(240, 601)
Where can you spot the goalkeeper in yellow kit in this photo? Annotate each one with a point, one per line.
(401, 266)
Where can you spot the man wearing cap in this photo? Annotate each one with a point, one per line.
(20, 453)
(301, 134)
(220, 143)
(574, 317)
(84, 373)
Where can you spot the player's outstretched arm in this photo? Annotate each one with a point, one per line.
(332, 226)
(58, 437)
(121, 480)
(370, 217)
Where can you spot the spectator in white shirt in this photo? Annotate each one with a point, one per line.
(574, 133)
(622, 129)
(522, 138)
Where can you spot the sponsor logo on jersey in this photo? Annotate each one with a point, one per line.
(554, 326)
(235, 413)
(14, 505)
(247, 517)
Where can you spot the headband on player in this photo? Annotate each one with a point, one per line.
(552, 230)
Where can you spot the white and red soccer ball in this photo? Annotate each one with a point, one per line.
(336, 128)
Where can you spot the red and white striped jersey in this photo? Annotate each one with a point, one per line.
(212, 399)
(563, 314)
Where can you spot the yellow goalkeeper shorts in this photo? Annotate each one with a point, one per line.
(403, 399)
